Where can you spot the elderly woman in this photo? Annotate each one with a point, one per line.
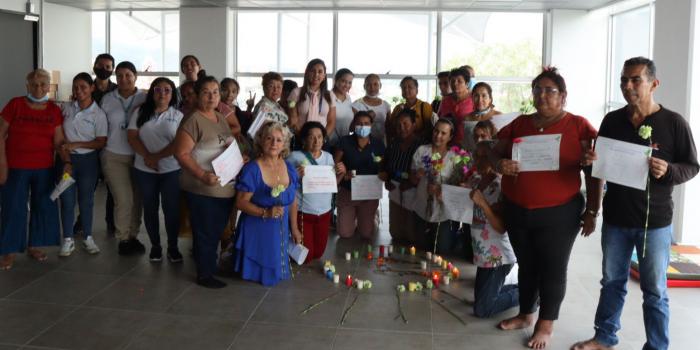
(423, 111)
(342, 83)
(156, 171)
(360, 154)
(458, 104)
(266, 197)
(268, 107)
(378, 109)
(433, 164)
(543, 208)
(202, 137)
(397, 167)
(30, 130)
(312, 101)
(483, 111)
(118, 158)
(85, 128)
(314, 208)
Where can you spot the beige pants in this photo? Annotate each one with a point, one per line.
(127, 201)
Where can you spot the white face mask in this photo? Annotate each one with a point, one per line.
(38, 100)
(363, 130)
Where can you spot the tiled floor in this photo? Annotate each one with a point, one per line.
(111, 302)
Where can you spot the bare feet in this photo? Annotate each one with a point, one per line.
(37, 254)
(517, 322)
(590, 344)
(6, 261)
(543, 332)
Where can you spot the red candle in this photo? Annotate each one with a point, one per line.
(381, 251)
(348, 281)
(436, 278)
(369, 256)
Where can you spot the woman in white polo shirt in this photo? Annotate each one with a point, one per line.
(118, 158)
(85, 128)
(152, 129)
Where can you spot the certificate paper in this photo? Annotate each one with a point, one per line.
(228, 164)
(620, 162)
(364, 187)
(457, 204)
(259, 120)
(538, 152)
(319, 179)
(501, 120)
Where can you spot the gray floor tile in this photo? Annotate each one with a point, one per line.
(63, 288)
(285, 306)
(21, 321)
(14, 279)
(186, 332)
(140, 294)
(284, 337)
(505, 341)
(358, 339)
(89, 328)
(102, 263)
(232, 302)
(379, 311)
(9, 347)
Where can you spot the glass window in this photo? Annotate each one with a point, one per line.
(405, 44)
(630, 38)
(149, 39)
(99, 35)
(283, 42)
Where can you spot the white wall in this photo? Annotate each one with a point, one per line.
(678, 69)
(66, 43)
(579, 50)
(19, 5)
(203, 34)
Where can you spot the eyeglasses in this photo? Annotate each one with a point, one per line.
(164, 91)
(537, 90)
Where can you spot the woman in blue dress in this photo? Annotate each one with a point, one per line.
(266, 191)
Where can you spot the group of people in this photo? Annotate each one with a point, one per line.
(155, 149)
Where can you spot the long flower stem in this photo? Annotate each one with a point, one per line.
(314, 305)
(646, 222)
(398, 298)
(449, 311)
(347, 311)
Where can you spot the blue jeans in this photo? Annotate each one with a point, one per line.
(85, 173)
(618, 243)
(208, 216)
(35, 185)
(155, 188)
(490, 295)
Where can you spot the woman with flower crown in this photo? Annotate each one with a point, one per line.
(266, 189)
(544, 210)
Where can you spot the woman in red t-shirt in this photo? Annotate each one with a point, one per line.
(543, 207)
(31, 129)
(459, 104)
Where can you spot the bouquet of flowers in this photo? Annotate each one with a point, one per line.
(463, 166)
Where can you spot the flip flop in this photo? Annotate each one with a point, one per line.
(6, 262)
(37, 254)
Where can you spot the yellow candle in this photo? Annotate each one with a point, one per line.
(412, 250)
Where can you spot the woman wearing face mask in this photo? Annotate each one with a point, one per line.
(312, 101)
(118, 157)
(314, 208)
(459, 104)
(378, 109)
(423, 111)
(483, 111)
(156, 171)
(342, 83)
(85, 128)
(30, 131)
(360, 154)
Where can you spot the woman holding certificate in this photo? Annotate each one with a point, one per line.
(202, 137)
(540, 157)
(268, 107)
(266, 192)
(314, 216)
(361, 154)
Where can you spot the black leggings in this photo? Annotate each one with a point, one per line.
(542, 240)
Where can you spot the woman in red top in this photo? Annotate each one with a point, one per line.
(30, 127)
(543, 208)
(459, 104)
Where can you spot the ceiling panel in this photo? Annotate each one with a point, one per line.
(343, 4)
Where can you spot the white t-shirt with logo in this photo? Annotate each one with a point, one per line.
(83, 125)
(118, 111)
(157, 133)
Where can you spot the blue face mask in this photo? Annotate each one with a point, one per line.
(363, 131)
(472, 82)
(38, 100)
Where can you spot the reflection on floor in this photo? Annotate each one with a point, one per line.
(111, 302)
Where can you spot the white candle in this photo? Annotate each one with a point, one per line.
(423, 265)
(336, 279)
(429, 255)
(390, 249)
(348, 256)
(446, 280)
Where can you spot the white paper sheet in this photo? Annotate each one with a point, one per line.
(457, 204)
(259, 120)
(364, 187)
(298, 253)
(228, 164)
(66, 181)
(538, 152)
(405, 199)
(620, 162)
(420, 204)
(501, 120)
(319, 179)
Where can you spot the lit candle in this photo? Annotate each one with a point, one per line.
(369, 256)
(381, 251)
(455, 273)
(446, 280)
(348, 281)
(348, 256)
(423, 265)
(450, 266)
(429, 256)
(336, 279)
(412, 250)
(436, 278)
(444, 264)
(359, 284)
(380, 261)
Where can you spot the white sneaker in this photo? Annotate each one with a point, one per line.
(90, 245)
(67, 247)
